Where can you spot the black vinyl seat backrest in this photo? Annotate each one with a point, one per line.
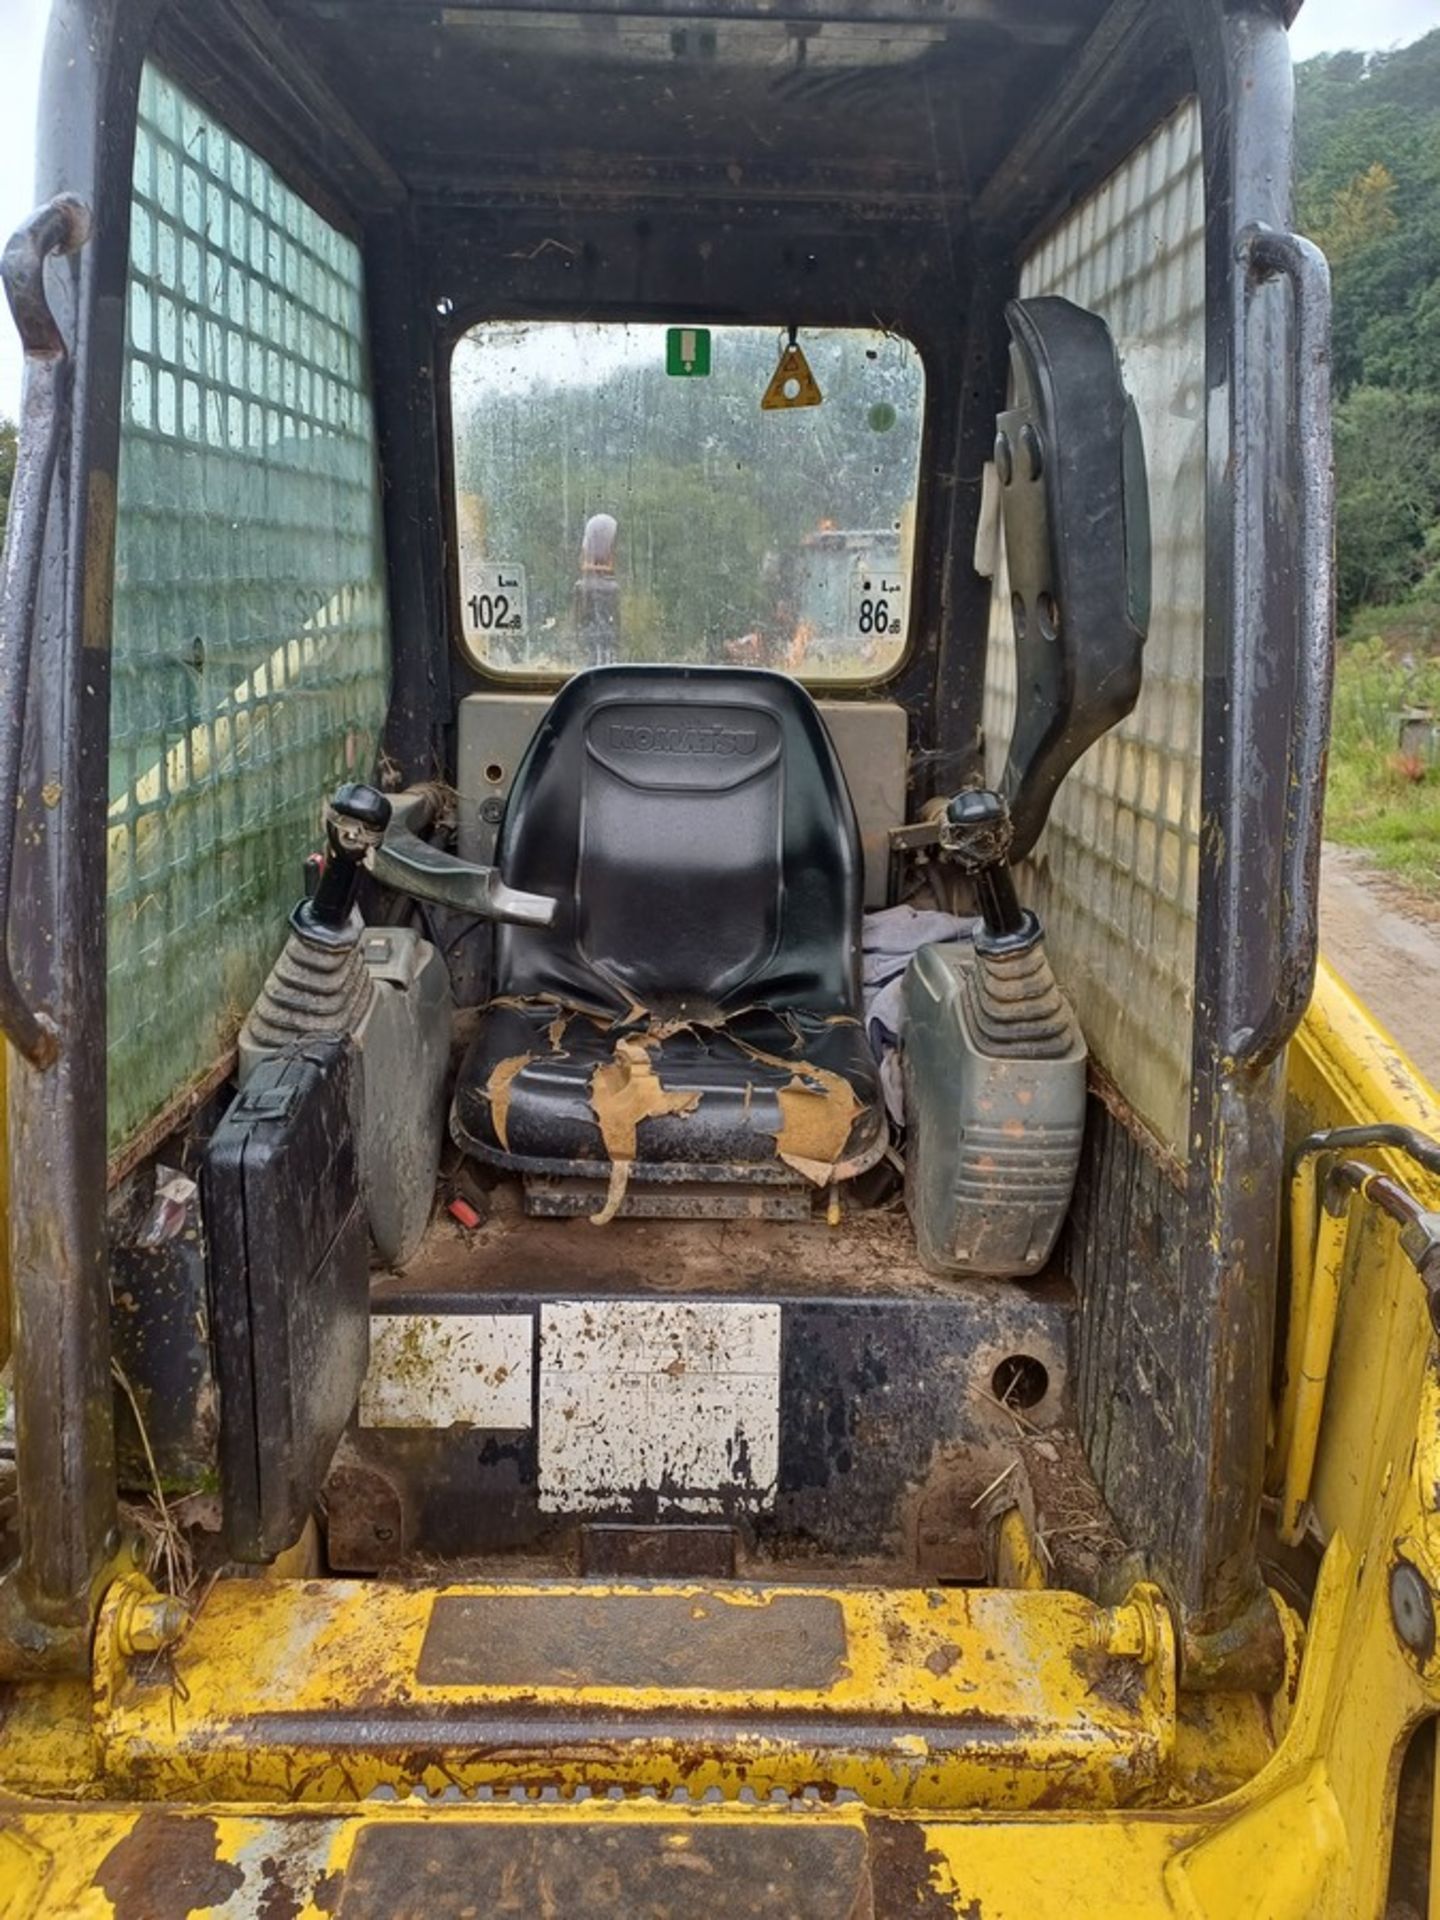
(694, 826)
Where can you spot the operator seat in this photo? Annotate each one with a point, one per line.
(695, 829)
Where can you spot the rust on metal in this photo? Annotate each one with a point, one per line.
(902, 1873)
(164, 1869)
(1114, 1102)
(625, 1552)
(366, 1526)
(1245, 1652)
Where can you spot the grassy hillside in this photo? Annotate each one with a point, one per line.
(1369, 192)
(7, 471)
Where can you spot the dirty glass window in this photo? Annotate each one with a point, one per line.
(249, 647)
(621, 494)
(1116, 872)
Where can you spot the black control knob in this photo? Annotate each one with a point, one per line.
(976, 835)
(980, 821)
(362, 806)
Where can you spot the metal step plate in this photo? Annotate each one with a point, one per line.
(317, 1690)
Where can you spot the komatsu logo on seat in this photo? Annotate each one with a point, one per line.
(643, 739)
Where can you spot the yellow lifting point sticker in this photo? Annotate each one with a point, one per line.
(793, 384)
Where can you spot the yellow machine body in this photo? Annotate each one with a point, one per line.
(330, 1746)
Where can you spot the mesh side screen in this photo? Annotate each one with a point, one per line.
(249, 652)
(1116, 872)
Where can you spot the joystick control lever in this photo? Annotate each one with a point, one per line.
(975, 834)
(363, 830)
(355, 823)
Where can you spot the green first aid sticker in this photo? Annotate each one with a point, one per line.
(687, 352)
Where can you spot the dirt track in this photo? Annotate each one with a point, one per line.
(1384, 942)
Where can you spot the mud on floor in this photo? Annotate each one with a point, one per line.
(870, 1254)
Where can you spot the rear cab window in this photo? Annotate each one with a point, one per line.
(621, 494)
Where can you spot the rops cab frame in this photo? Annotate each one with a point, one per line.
(686, 1226)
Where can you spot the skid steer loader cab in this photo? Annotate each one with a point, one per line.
(686, 1233)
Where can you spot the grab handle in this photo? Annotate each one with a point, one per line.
(1268, 254)
(60, 227)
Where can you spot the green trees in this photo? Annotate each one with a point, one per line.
(1387, 461)
(7, 471)
(1369, 153)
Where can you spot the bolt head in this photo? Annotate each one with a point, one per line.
(1412, 1609)
(152, 1621)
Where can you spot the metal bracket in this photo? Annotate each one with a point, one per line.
(916, 836)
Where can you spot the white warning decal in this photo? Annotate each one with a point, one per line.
(495, 600)
(877, 600)
(449, 1370)
(673, 1405)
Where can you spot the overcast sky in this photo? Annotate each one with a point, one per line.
(1323, 26)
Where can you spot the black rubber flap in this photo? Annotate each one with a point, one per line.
(289, 1286)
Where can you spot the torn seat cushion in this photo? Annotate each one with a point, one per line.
(694, 829)
(773, 1101)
